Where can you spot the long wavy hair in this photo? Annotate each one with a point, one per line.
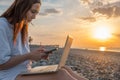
(16, 15)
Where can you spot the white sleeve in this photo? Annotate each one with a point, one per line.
(5, 50)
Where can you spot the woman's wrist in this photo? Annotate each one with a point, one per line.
(27, 56)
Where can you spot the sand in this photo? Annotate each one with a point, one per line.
(93, 65)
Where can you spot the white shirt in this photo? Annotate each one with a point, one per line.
(8, 50)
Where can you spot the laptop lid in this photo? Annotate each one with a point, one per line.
(66, 50)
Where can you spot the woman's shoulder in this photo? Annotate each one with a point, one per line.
(3, 20)
(3, 23)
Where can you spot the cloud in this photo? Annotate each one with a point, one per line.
(85, 1)
(116, 35)
(109, 8)
(50, 11)
(105, 11)
(91, 19)
(43, 14)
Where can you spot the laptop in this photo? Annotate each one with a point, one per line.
(52, 68)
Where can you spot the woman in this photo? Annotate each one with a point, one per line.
(14, 49)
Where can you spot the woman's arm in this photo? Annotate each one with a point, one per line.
(13, 61)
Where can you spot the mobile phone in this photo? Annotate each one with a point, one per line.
(51, 50)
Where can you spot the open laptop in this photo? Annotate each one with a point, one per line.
(52, 68)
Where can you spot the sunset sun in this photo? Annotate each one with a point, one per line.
(102, 33)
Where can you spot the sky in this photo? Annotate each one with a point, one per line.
(92, 23)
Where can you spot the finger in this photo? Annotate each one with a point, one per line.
(41, 49)
(45, 57)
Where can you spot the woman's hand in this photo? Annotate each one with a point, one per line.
(37, 55)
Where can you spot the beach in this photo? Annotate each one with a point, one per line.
(95, 65)
(91, 64)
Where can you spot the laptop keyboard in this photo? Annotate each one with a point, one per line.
(49, 68)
